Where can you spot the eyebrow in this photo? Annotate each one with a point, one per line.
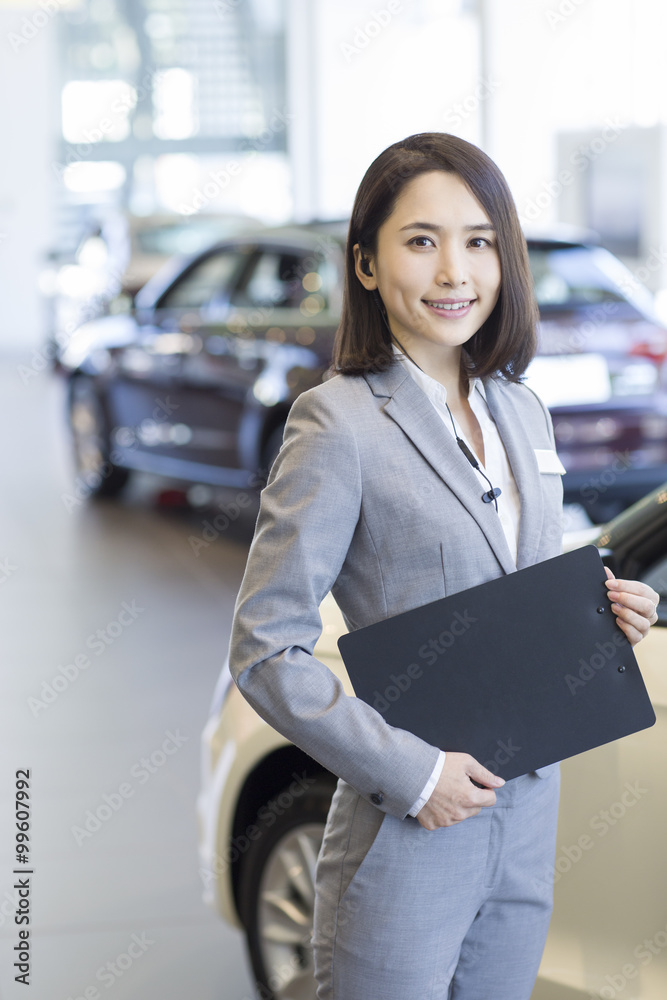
(486, 226)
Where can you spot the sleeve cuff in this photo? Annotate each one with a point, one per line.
(429, 786)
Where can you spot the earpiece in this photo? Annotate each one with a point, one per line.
(365, 267)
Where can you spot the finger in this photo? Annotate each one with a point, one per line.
(631, 633)
(610, 575)
(485, 777)
(633, 587)
(636, 618)
(641, 605)
(630, 618)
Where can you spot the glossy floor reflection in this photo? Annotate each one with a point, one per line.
(113, 634)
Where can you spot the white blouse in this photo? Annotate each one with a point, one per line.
(497, 468)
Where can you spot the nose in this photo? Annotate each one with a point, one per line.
(452, 268)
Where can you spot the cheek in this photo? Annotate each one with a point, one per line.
(491, 278)
(402, 285)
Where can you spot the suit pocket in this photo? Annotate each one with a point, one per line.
(363, 844)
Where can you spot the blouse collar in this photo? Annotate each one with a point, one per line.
(434, 390)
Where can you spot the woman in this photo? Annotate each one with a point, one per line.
(427, 886)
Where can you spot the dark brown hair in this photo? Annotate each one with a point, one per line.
(506, 343)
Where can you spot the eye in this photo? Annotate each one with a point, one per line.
(481, 241)
(428, 240)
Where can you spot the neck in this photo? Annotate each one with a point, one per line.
(444, 366)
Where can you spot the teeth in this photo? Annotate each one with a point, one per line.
(450, 306)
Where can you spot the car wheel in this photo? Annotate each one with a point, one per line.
(277, 887)
(96, 474)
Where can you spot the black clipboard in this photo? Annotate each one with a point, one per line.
(520, 672)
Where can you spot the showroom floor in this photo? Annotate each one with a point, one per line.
(113, 634)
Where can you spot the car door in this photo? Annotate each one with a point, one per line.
(166, 405)
(272, 341)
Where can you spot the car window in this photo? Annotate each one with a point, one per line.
(656, 577)
(206, 281)
(285, 280)
(570, 277)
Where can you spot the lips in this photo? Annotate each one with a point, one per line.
(449, 305)
(449, 309)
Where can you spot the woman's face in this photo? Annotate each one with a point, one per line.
(436, 267)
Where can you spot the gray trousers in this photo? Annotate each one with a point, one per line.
(458, 913)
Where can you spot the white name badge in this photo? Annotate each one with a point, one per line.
(548, 461)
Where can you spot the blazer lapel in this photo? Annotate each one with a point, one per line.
(521, 455)
(412, 410)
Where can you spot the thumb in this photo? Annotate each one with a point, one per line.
(480, 774)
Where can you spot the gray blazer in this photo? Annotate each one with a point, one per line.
(371, 498)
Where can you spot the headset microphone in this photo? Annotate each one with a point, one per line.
(491, 495)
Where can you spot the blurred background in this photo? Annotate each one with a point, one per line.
(175, 181)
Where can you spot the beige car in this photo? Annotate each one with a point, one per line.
(263, 804)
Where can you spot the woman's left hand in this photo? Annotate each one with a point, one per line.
(634, 604)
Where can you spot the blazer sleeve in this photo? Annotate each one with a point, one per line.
(309, 511)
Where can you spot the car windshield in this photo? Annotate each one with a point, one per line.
(574, 277)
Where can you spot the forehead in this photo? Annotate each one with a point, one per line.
(439, 197)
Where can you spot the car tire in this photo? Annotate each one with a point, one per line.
(277, 887)
(96, 474)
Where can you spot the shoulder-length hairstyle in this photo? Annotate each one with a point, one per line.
(506, 343)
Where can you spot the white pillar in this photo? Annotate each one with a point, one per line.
(302, 102)
(28, 130)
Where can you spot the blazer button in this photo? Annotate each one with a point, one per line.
(377, 798)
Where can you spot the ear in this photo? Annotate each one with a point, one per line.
(367, 280)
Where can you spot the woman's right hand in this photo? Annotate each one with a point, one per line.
(455, 798)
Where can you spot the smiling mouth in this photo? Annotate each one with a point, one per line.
(449, 306)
